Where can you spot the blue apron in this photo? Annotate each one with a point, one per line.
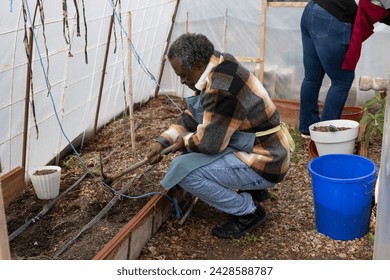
(182, 165)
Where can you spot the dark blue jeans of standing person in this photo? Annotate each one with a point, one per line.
(325, 41)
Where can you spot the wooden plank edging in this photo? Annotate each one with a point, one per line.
(4, 243)
(13, 184)
(129, 241)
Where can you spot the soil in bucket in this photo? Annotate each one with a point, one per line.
(342, 191)
(352, 113)
(46, 181)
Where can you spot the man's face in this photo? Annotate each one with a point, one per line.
(187, 77)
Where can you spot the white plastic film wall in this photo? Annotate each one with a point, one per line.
(74, 83)
(239, 34)
(382, 226)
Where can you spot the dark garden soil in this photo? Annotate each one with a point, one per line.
(289, 233)
(329, 128)
(44, 172)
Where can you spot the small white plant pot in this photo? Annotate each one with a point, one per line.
(46, 181)
(341, 141)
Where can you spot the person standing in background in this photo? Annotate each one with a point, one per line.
(332, 33)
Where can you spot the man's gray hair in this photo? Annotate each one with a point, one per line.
(191, 50)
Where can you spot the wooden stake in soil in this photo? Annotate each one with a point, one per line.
(182, 86)
(224, 31)
(103, 74)
(27, 98)
(262, 39)
(130, 83)
(166, 48)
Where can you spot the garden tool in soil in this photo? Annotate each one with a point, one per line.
(109, 180)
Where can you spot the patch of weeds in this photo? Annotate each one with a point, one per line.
(273, 196)
(374, 121)
(249, 238)
(126, 117)
(372, 238)
(300, 144)
(71, 162)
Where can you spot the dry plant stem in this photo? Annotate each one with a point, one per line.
(102, 213)
(45, 209)
(109, 180)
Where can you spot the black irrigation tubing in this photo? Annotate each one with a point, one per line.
(45, 209)
(101, 214)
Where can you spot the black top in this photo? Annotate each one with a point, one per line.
(343, 10)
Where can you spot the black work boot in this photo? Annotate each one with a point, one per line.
(257, 195)
(240, 225)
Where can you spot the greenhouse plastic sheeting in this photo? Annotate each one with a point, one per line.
(75, 84)
(239, 34)
(382, 226)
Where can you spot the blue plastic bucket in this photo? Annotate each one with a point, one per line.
(342, 190)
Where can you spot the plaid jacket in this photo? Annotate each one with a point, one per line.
(234, 99)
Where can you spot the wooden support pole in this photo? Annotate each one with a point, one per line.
(287, 4)
(130, 83)
(4, 243)
(27, 97)
(262, 39)
(224, 31)
(187, 22)
(166, 48)
(103, 74)
(183, 86)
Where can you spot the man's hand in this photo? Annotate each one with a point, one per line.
(153, 153)
(179, 145)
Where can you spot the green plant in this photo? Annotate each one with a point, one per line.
(374, 118)
(249, 238)
(300, 144)
(70, 162)
(372, 238)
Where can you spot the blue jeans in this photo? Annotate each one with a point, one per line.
(325, 41)
(217, 184)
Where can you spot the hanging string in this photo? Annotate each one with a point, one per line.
(77, 18)
(86, 33)
(114, 26)
(141, 63)
(173, 200)
(65, 26)
(42, 14)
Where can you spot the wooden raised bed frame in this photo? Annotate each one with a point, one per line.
(129, 241)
